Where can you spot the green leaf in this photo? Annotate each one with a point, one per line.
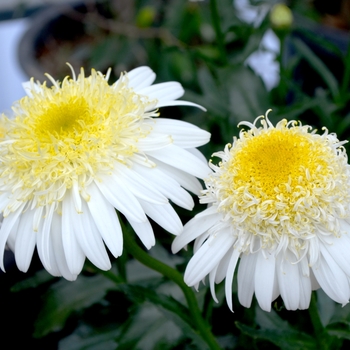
(139, 295)
(318, 65)
(148, 329)
(286, 340)
(38, 279)
(64, 297)
(86, 338)
(277, 331)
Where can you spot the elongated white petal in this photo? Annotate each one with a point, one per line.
(166, 185)
(264, 279)
(339, 250)
(331, 278)
(121, 198)
(187, 181)
(246, 278)
(154, 142)
(184, 134)
(207, 257)
(75, 256)
(57, 243)
(141, 77)
(182, 160)
(7, 224)
(305, 290)
(212, 275)
(288, 280)
(107, 224)
(25, 241)
(90, 239)
(145, 232)
(179, 103)
(43, 238)
(229, 277)
(192, 230)
(164, 215)
(139, 185)
(163, 92)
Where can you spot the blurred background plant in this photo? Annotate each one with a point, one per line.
(237, 59)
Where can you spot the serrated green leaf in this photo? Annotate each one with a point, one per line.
(64, 297)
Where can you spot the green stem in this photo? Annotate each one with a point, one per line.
(217, 28)
(317, 324)
(167, 271)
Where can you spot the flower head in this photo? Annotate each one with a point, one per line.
(278, 201)
(78, 150)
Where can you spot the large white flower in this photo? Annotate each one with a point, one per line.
(78, 150)
(279, 204)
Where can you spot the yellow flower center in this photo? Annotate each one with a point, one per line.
(65, 118)
(281, 182)
(276, 161)
(70, 133)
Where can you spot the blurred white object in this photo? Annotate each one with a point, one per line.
(251, 14)
(11, 74)
(263, 61)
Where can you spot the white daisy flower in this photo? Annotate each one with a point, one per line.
(278, 202)
(82, 148)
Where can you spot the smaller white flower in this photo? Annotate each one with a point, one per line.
(279, 203)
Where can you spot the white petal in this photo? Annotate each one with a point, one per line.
(164, 215)
(288, 280)
(212, 275)
(186, 180)
(339, 250)
(43, 238)
(166, 185)
(184, 134)
(193, 229)
(139, 185)
(182, 159)
(163, 92)
(222, 267)
(90, 239)
(198, 154)
(56, 234)
(7, 224)
(141, 77)
(74, 254)
(145, 232)
(25, 241)
(331, 277)
(229, 276)
(121, 198)
(246, 278)
(108, 224)
(153, 142)
(177, 103)
(305, 290)
(207, 257)
(264, 279)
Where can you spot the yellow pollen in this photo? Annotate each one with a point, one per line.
(270, 161)
(67, 117)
